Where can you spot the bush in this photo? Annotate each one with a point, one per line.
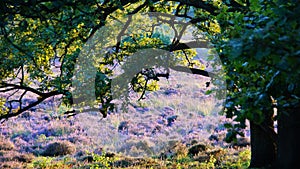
(6, 145)
(48, 163)
(26, 158)
(10, 165)
(59, 148)
(56, 129)
(195, 149)
(7, 156)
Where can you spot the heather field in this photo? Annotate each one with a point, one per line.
(176, 126)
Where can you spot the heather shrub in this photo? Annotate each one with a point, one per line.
(25, 135)
(6, 144)
(59, 148)
(11, 165)
(7, 156)
(56, 128)
(174, 150)
(20, 143)
(181, 150)
(25, 158)
(137, 148)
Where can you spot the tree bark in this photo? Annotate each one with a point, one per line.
(288, 144)
(263, 143)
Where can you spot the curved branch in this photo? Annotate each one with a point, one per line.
(14, 86)
(21, 110)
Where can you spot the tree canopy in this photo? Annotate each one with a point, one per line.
(35, 35)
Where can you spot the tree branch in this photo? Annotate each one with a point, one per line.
(22, 88)
(21, 110)
(188, 45)
(192, 71)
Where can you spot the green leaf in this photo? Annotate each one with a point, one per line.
(208, 92)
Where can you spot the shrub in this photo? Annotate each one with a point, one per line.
(244, 159)
(210, 163)
(11, 164)
(7, 156)
(56, 129)
(6, 144)
(48, 163)
(102, 160)
(59, 148)
(137, 148)
(26, 158)
(195, 149)
(181, 150)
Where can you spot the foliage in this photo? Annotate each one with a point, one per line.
(102, 161)
(39, 52)
(243, 161)
(3, 108)
(258, 61)
(209, 164)
(48, 163)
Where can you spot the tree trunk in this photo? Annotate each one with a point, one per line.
(288, 144)
(263, 143)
